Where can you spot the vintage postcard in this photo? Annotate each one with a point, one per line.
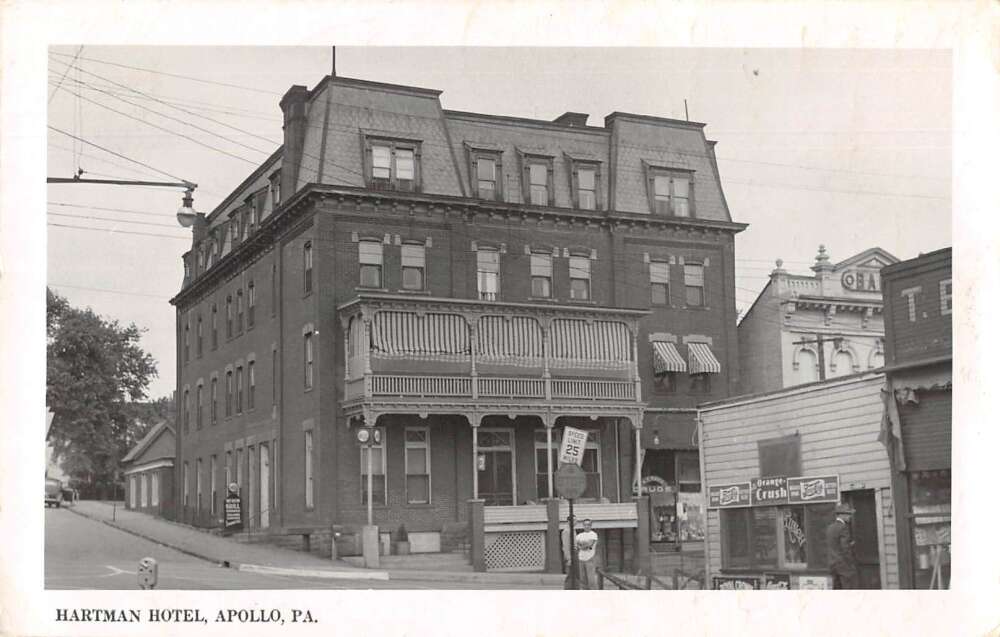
(383, 330)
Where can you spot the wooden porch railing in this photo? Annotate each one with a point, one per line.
(492, 387)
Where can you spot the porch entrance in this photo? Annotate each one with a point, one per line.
(495, 464)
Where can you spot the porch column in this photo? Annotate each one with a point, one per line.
(638, 458)
(546, 355)
(474, 421)
(367, 319)
(473, 324)
(549, 421)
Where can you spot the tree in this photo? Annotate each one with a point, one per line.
(96, 373)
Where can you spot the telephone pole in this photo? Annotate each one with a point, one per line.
(821, 355)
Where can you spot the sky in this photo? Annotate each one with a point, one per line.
(846, 148)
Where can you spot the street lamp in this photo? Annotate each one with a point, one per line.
(186, 215)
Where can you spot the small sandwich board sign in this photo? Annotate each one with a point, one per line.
(233, 508)
(574, 441)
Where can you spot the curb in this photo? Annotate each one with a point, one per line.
(321, 574)
(154, 540)
(543, 579)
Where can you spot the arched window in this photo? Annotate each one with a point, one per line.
(806, 366)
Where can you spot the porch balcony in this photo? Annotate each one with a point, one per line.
(411, 354)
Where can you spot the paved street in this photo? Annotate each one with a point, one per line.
(81, 553)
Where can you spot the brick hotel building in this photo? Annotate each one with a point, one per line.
(468, 284)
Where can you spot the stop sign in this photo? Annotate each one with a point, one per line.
(570, 481)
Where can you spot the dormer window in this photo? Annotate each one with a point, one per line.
(275, 185)
(393, 165)
(670, 191)
(486, 170)
(536, 179)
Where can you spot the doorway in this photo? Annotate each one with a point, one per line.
(265, 480)
(864, 528)
(495, 463)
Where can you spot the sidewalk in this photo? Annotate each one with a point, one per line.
(267, 558)
(214, 548)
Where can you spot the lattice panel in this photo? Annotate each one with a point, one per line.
(515, 550)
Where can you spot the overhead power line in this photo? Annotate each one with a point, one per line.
(166, 130)
(116, 154)
(145, 234)
(111, 219)
(177, 75)
(56, 89)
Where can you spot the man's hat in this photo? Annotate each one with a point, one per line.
(845, 509)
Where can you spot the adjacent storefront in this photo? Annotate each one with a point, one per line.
(776, 465)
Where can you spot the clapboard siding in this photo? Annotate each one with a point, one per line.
(838, 422)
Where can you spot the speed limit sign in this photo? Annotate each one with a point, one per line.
(574, 441)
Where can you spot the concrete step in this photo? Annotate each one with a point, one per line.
(451, 562)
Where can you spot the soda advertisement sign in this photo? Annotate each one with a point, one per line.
(732, 583)
(765, 491)
(729, 495)
(233, 513)
(806, 490)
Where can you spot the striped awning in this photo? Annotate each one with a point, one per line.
(402, 333)
(509, 337)
(666, 358)
(701, 360)
(580, 340)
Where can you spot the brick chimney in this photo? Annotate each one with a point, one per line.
(293, 107)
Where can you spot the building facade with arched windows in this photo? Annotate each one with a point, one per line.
(806, 328)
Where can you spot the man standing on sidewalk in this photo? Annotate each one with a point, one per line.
(840, 550)
(586, 543)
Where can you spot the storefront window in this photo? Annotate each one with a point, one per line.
(750, 537)
(794, 531)
(930, 498)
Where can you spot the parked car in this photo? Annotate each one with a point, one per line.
(53, 492)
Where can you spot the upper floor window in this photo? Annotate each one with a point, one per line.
(253, 213)
(659, 282)
(307, 267)
(275, 186)
(251, 303)
(308, 357)
(187, 410)
(579, 278)
(229, 393)
(198, 337)
(187, 339)
(585, 186)
(488, 273)
(536, 180)
(198, 407)
(413, 260)
(239, 390)
(541, 275)
(239, 310)
(214, 399)
(486, 176)
(670, 191)
(393, 165)
(370, 260)
(251, 385)
(229, 316)
(694, 284)
(215, 326)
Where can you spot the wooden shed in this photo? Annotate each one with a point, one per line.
(776, 465)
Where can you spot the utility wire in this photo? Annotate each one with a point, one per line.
(166, 130)
(180, 121)
(145, 234)
(183, 77)
(165, 103)
(111, 219)
(56, 89)
(107, 150)
(125, 210)
(110, 291)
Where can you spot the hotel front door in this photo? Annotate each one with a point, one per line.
(495, 464)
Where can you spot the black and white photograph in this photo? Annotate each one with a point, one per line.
(458, 324)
